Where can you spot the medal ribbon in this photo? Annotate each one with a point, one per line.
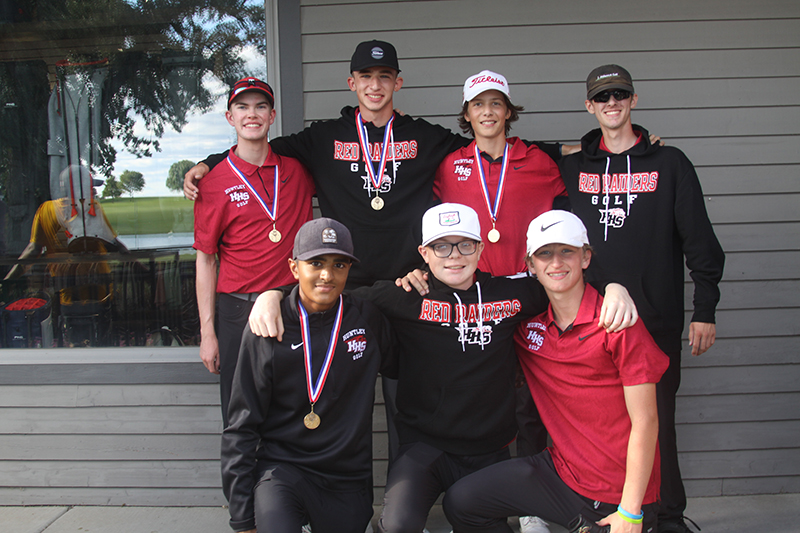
(493, 209)
(314, 390)
(273, 215)
(363, 138)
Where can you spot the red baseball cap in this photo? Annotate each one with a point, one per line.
(251, 84)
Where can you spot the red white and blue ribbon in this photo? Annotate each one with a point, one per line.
(314, 389)
(493, 208)
(363, 137)
(273, 215)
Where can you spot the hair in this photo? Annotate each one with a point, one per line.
(466, 126)
(585, 248)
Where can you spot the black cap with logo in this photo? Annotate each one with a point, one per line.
(323, 236)
(374, 54)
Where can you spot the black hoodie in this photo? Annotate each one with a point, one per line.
(455, 383)
(652, 221)
(385, 241)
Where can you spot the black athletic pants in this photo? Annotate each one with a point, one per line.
(673, 495)
(230, 321)
(416, 479)
(286, 498)
(525, 486)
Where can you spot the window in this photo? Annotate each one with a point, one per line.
(103, 107)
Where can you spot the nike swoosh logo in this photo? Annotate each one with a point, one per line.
(545, 228)
(519, 167)
(583, 338)
(296, 346)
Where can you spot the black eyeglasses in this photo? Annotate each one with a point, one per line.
(444, 249)
(618, 94)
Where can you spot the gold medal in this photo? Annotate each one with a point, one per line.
(275, 235)
(311, 420)
(493, 235)
(377, 203)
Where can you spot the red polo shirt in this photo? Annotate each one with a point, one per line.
(576, 379)
(229, 221)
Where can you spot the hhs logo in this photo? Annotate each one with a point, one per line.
(356, 346)
(614, 217)
(535, 340)
(237, 196)
(462, 172)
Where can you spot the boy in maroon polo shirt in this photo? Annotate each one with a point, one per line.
(252, 206)
(596, 394)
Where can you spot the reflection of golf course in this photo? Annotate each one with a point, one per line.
(150, 215)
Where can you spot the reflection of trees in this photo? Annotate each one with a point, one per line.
(158, 54)
(176, 172)
(131, 181)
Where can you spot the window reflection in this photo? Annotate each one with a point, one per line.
(93, 255)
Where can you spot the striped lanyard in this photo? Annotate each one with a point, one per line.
(315, 389)
(363, 137)
(273, 215)
(492, 208)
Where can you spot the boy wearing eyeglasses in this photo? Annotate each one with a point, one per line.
(643, 207)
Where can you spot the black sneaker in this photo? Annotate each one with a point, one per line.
(676, 526)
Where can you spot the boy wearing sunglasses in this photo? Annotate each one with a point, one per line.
(643, 207)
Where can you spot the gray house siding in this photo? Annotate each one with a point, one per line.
(716, 79)
(80, 428)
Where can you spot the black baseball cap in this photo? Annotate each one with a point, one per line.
(374, 54)
(323, 236)
(251, 84)
(606, 78)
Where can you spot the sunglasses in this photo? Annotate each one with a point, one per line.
(618, 94)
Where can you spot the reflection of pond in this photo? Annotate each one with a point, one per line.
(158, 240)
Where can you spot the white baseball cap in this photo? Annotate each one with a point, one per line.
(484, 81)
(556, 227)
(445, 220)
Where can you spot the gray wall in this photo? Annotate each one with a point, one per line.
(718, 80)
(108, 427)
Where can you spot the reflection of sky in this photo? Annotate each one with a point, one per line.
(203, 134)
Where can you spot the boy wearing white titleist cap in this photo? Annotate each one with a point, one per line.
(456, 370)
(299, 445)
(596, 394)
(508, 181)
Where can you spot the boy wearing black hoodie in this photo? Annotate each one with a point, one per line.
(643, 207)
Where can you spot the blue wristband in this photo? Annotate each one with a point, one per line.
(630, 516)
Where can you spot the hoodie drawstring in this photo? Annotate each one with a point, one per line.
(463, 325)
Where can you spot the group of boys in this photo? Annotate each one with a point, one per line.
(297, 452)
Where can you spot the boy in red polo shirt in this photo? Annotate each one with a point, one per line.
(596, 394)
(252, 206)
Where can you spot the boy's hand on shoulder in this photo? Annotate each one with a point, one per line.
(190, 179)
(265, 318)
(618, 311)
(416, 279)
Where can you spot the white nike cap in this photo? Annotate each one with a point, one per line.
(556, 227)
(445, 220)
(486, 80)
